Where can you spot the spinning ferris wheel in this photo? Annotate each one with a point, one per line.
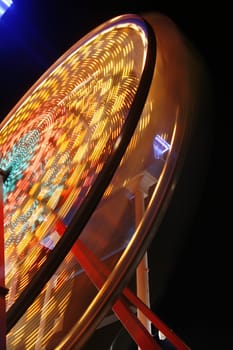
(91, 157)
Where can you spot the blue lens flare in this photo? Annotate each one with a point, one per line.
(4, 5)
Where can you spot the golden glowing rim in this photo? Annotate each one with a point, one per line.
(88, 206)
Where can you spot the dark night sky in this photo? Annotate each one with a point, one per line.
(34, 33)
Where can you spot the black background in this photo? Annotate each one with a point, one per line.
(33, 34)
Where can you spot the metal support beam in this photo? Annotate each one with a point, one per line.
(98, 272)
(139, 187)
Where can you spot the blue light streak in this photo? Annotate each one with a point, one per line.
(4, 5)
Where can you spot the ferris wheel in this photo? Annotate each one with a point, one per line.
(93, 158)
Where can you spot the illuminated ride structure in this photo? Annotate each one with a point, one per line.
(93, 162)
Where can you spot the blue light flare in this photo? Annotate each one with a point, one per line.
(4, 5)
(160, 146)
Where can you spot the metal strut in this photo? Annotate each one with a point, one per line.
(98, 272)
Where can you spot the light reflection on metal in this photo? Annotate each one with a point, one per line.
(160, 146)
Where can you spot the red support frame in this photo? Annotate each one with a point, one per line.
(98, 272)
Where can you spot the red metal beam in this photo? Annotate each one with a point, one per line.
(98, 273)
(82, 253)
(130, 321)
